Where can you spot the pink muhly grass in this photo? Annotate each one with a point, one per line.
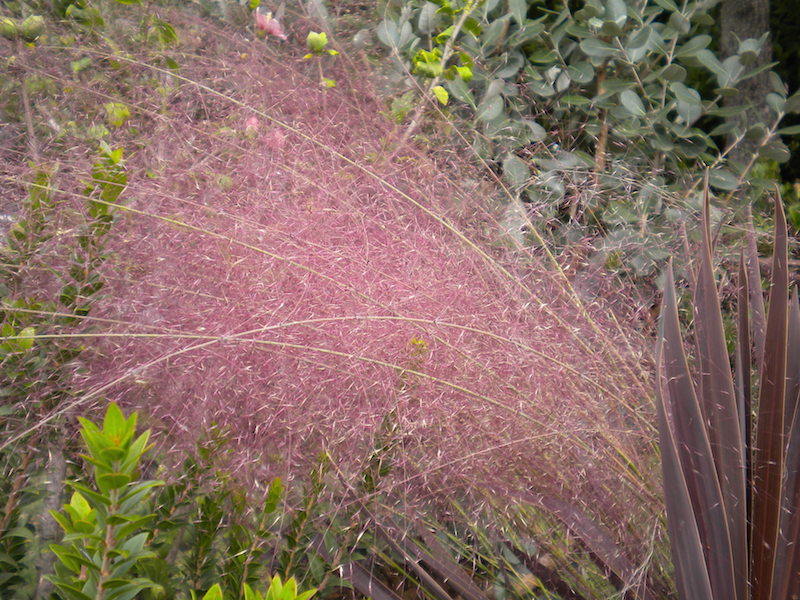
(302, 301)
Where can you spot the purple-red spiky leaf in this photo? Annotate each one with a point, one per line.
(743, 375)
(718, 404)
(769, 452)
(786, 583)
(754, 284)
(792, 396)
(696, 518)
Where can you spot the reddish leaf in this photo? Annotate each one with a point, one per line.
(718, 406)
(769, 451)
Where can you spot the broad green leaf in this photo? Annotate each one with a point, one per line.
(112, 481)
(519, 10)
(516, 172)
(581, 72)
(490, 109)
(792, 130)
(673, 72)
(388, 33)
(25, 338)
(776, 102)
(775, 150)
(441, 94)
(596, 48)
(428, 18)
(693, 46)
(793, 103)
(722, 179)
(79, 65)
(616, 11)
(214, 593)
(679, 23)
(632, 103)
(461, 91)
(575, 100)
(667, 5)
(685, 94)
(316, 41)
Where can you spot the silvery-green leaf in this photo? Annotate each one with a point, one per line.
(632, 103)
(460, 90)
(515, 171)
(679, 23)
(685, 94)
(667, 5)
(596, 48)
(640, 44)
(581, 72)
(722, 179)
(673, 72)
(542, 88)
(494, 32)
(428, 18)
(776, 102)
(563, 81)
(775, 150)
(692, 46)
(793, 103)
(388, 33)
(575, 100)
(617, 11)
(519, 10)
(490, 108)
(710, 61)
(537, 132)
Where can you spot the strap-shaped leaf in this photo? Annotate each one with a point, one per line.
(718, 404)
(695, 511)
(786, 585)
(792, 397)
(769, 452)
(743, 377)
(754, 283)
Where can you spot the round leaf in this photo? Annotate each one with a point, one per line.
(515, 171)
(490, 109)
(597, 49)
(722, 179)
(632, 103)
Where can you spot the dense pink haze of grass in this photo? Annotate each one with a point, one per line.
(315, 279)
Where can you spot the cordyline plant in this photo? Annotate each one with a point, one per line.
(732, 494)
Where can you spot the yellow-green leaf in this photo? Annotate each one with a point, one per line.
(441, 95)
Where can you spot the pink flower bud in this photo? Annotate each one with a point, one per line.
(270, 26)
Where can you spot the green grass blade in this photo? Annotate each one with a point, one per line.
(769, 451)
(718, 405)
(695, 513)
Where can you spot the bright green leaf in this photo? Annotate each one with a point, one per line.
(441, 94)
(316, 41)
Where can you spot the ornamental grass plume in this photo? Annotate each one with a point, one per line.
(298, 290)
